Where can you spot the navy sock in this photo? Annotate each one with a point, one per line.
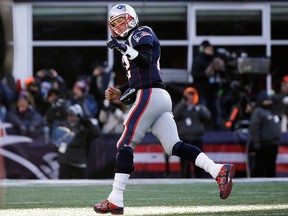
(124, 163)
(186, 151)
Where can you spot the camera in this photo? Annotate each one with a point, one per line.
(240, 63)
(230, 59)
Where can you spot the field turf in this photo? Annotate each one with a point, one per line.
(145, 197)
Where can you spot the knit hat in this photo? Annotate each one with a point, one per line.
(263, 96)
(191, 90)
(76, 110)
(22, 95)
(205, 43)
(81, 84)
(29, 81)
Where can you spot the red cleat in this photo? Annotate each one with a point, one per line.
(108, 207)
(224, 180)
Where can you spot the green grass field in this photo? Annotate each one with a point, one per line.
(161, 197)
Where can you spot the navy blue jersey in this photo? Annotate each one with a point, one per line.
(140, 77)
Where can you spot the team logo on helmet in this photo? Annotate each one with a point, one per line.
(122, 7)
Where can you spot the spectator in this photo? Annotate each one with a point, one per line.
(266, 133)
(205, 73)
(281, 103)
(191, 118)
(81, 96)
(35, 96)
(98, 84)
(24, 117)
(73, 156)
(238, 105)
(45, 87)
(56, 112)
(50, 78)
(112, 116)
(51, 75)
(6, 100)
(100, 77)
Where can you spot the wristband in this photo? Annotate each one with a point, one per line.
(131, 53)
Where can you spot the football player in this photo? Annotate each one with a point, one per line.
(151, 107)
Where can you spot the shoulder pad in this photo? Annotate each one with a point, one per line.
(142, 35)
(139, 35)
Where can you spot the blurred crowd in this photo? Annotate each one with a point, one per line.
(45, 100)
(45, 104)
(231, 95)
(69, 118)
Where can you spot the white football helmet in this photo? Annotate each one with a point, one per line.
(128, 21)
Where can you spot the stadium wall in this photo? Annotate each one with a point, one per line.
(34, 159)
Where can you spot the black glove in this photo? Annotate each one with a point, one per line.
(115, 44)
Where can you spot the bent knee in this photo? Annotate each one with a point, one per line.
(169, 149)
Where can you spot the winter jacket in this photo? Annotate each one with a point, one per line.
(265, 127)
(191, 120)
(78, 149)
(28, 121)
(201, 80)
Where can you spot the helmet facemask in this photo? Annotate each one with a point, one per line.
(120, 25)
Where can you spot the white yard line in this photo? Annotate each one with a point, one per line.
(87, 182)
(146, 210)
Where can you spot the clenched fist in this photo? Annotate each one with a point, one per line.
(112, 93)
